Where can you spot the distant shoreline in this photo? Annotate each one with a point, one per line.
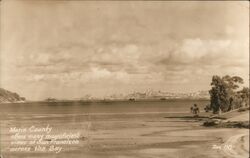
(110, 101)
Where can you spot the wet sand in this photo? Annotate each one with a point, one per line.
(135, 135)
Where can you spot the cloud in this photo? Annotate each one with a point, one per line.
(207, 52)
(193, 49)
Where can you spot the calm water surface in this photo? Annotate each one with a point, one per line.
(101, 107)
(107, 129)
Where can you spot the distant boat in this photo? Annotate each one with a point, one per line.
(163, 99)
(131, 99)
(51, 100)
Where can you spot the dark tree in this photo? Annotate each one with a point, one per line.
(243, 95)
(223, 92)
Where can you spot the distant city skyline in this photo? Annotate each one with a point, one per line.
(68, 49)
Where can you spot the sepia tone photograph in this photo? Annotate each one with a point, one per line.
(124, 79)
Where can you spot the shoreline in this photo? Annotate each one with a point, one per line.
(108, 101)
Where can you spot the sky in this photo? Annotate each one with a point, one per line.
(68, 49)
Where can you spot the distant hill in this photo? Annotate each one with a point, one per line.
(9, 97)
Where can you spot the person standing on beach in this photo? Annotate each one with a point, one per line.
(196, 110)
(191, 109)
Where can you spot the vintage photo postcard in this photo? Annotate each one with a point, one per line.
(124, 79)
